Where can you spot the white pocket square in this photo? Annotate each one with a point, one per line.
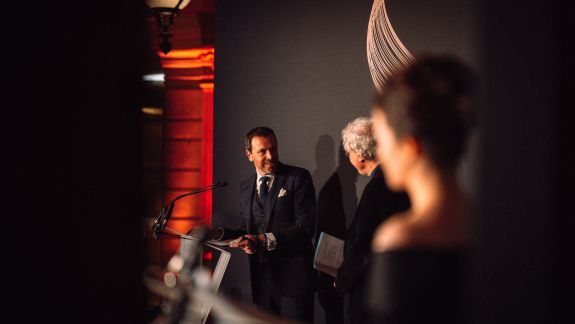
(283, 192)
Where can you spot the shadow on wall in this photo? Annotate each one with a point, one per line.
(336, 188)
(348, 177)
(325, 161)
(335, 200)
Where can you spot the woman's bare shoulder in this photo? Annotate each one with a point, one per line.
(405, 231)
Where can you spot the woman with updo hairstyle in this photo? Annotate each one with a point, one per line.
(421, 123)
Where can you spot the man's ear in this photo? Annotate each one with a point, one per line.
(249, 155)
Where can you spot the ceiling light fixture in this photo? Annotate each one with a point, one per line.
(166, 12)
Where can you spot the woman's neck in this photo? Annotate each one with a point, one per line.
(432, 189)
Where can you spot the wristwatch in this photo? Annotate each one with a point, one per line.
(270, 242)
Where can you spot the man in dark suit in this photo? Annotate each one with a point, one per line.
(277, 210)
(376, 204)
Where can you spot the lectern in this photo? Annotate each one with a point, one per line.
(186, 248)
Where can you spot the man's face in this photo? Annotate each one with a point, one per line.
(357, 161)
(264, 154)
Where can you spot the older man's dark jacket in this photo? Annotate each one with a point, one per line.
(291, 218)
(377, 203)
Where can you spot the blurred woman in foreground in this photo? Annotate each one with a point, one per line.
(421, 124)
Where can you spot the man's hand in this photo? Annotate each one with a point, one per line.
(248, 243)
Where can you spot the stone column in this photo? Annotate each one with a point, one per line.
(187, 138)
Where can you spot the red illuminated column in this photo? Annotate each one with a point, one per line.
(188, 138)
(207, 149)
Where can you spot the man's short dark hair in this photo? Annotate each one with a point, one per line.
(258, 131)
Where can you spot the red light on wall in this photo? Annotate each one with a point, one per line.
(188, 58)
(207, 148)
(188, 137)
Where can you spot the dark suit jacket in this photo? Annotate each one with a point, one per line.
(291, 218)
(377, 203)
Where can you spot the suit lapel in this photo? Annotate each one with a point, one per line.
(273, 195)
(248, 197)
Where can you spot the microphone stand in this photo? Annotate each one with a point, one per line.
(164, 216)
(179, 305)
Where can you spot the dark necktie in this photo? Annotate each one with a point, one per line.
(264, 189)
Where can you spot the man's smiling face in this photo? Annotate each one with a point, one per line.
(264, 154)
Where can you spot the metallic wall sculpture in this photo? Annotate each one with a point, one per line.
(386, 54)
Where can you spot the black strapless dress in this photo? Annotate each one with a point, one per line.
(420, 285)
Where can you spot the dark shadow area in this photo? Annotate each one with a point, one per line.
(337, 193)
(336, 198)
(524, 241)
(325, 161)
(348, 177)
(75, 230)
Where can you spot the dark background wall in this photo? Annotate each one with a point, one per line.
(300, 67)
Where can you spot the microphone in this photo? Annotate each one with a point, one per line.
(164, 216)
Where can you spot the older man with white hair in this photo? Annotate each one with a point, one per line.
(359, 145)
(376, 204)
